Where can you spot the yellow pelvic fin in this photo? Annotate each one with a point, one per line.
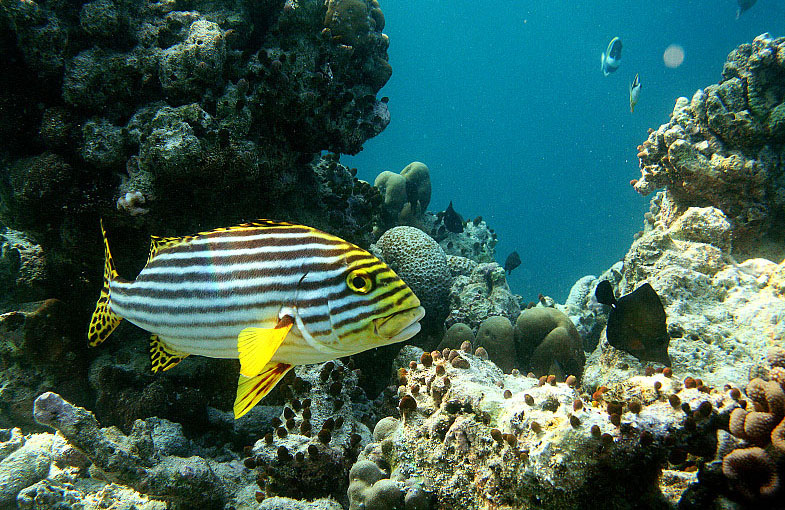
(162, 356)
(251, 390)
(257, 345)
(104, 320)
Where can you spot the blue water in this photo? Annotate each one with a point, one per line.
(506, 104)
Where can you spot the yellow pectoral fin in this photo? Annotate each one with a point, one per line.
(257, 346)
(251, 390)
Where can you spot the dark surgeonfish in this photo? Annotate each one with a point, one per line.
(636, 323)
(743, 6)
(513, 261)
(452, 220)
(611, 57)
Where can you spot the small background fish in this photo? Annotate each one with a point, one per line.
(635, 92)
(611, 57)
(513, 261)
(452, 220)
(744, 5)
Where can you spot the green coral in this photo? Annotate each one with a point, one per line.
(418, 186)
(548, 343)
(406, 195)
(456, 335)
(496, 337)
(392, 186)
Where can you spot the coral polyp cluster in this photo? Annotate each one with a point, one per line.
(760, 421)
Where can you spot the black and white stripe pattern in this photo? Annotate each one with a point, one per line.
(199, 293)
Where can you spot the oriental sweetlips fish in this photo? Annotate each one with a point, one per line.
(272, 294)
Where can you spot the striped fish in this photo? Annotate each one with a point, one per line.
(272, 294)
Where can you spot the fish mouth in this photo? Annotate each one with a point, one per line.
(399, 326)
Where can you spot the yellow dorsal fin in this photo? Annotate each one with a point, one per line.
(104, 320)
(159, 243)
(251, 390)
(257, 345)
(162, 356)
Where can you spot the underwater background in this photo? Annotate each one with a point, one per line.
(507, 106)
(215, 360)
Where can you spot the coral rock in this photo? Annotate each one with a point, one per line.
(485, 293)
(716, 151)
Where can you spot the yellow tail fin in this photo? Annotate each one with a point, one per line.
(104, 321)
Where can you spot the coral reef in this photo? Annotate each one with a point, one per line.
(153, 115)
(476, 437)
(755, 471)
(477, 242)
(38, 352)
(720, 149)
(154, 118)
(120, 457)
(317, 436)
(23, 270)
(312, 442)
(25, 466)
(721, 314)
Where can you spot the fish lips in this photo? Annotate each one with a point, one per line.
(399, 326)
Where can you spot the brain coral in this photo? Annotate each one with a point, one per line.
(422, 264)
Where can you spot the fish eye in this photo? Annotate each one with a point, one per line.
(359, 282)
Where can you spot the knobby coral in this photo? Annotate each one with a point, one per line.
(753, 470)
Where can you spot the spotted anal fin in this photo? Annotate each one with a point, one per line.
(256, 346)
(162, 357)
(104, 320)
(250, 390)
